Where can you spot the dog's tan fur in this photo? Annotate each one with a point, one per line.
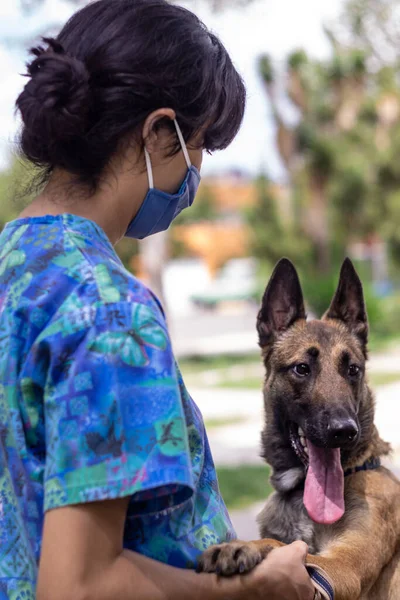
(361, 551)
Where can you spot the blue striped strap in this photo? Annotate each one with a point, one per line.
(322, 583)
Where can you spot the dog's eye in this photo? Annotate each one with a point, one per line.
(302, 370)
(354, 370)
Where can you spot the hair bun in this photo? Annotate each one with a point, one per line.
(56, 100)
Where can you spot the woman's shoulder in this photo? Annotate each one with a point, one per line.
(67, 267)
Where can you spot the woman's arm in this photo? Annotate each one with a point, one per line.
(83, 559)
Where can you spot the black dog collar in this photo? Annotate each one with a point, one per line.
(371, 463)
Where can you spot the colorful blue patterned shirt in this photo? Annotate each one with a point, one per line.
(92, 404)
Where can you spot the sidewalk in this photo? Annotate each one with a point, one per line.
(230, 332)
(385, 362)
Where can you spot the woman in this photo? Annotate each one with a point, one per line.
(107, 476)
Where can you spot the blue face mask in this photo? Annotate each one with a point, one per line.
(159, 208)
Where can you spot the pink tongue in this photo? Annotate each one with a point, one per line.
(324, 488)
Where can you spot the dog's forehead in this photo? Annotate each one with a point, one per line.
(318, 338)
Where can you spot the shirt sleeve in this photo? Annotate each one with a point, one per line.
(114, 420)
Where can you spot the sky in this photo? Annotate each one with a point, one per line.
(272, 26)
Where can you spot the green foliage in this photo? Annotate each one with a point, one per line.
(336, 70)
(342, 156)
(347, 63)
(127, 249)
(270, 236)
(203, 209)
(318, 291)
(358, 62)
(368, 113)
(385, 318)
(324, 113)
(265, 225)
(386, 78)
(297, 60)
(349, 203)
(322, 156)
(266, 69)
(372, 26)
(15, 189)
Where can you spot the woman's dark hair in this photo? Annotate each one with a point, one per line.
(113, 63)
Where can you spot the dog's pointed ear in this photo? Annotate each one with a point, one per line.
(282, 304)
(348, 304)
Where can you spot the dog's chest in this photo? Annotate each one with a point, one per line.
(284, 518)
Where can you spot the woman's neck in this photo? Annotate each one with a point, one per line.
(112, 206)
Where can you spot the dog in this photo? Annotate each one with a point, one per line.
(319, 438)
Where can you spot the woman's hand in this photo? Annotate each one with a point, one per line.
(281, 576)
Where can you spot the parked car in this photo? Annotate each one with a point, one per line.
(236, 282)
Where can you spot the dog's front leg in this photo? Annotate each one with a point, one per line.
(364, 543)
(237, 557)
(355, 560)
(352, 562)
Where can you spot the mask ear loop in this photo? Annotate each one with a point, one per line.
(149, 168)
(183, 145)
(184, 150)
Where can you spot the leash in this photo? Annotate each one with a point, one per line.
(322, 583)
(369, 465)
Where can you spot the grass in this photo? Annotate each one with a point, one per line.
(379, 379)
(244, 485)
(223, 422)
(247, 383)
(255, 383)
(198, 364)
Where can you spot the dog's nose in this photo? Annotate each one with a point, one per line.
(342, 432)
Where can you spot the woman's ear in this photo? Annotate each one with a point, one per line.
(153, 139)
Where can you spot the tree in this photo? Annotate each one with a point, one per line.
(340, 154)
(372, 25)
(271, 237)
(203, 209)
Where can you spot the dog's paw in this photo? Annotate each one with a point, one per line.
(234, 558)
